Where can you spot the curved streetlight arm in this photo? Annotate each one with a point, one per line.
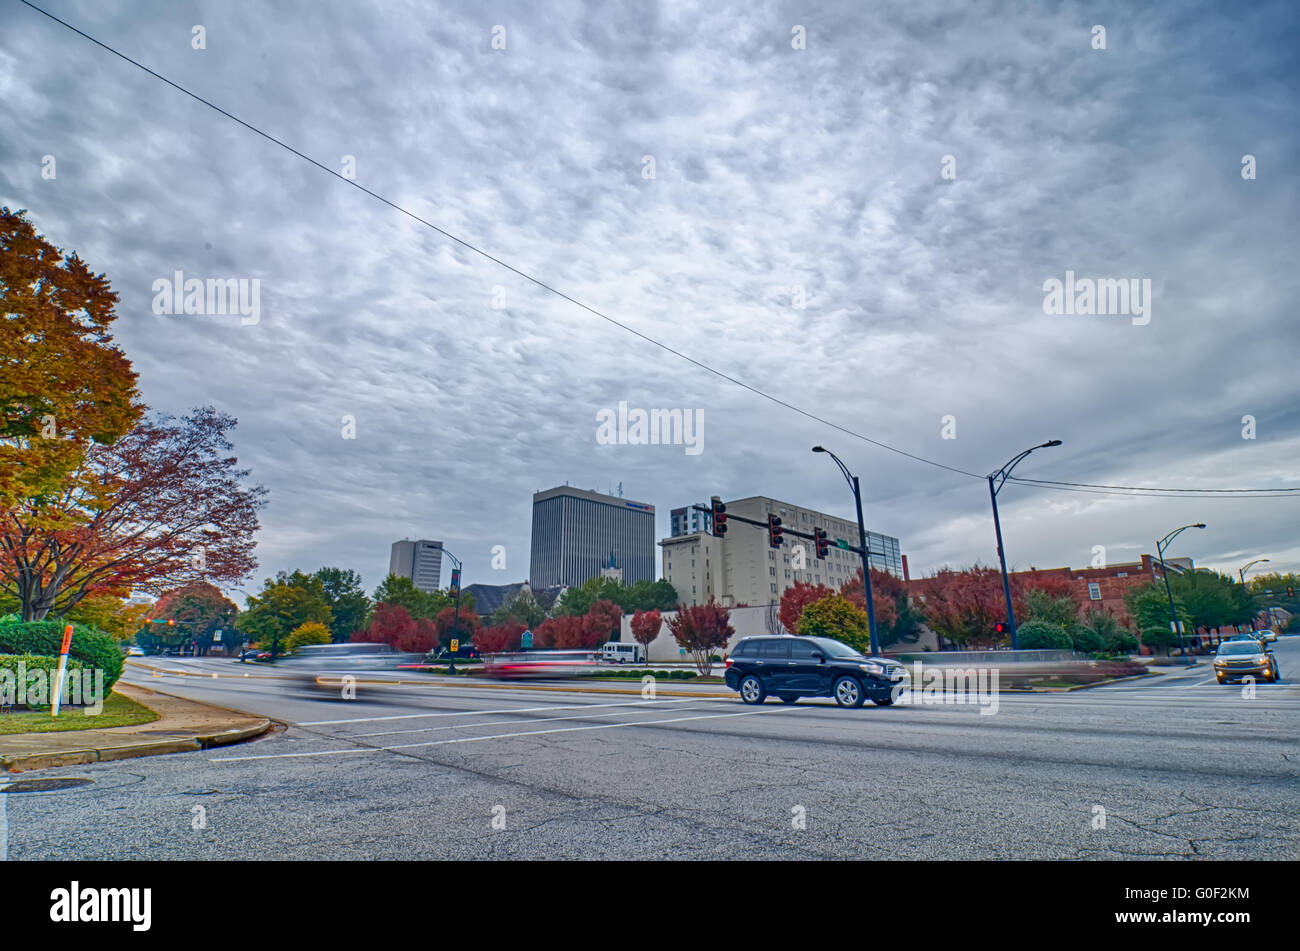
(1005, 472)
(1164, 542)
(848, 476)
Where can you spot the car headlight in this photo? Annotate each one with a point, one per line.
(1263, 660)
(872, 667)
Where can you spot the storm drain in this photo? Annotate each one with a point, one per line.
(45, 785)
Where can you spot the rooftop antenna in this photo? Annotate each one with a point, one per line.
(620, 490)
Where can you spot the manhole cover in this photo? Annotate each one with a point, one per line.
(45, 785)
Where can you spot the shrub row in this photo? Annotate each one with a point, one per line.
(30, 662)
(1044, 635)
(89, 646)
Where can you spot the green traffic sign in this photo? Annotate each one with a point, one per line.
(841, 543)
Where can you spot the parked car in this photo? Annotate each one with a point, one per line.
(1237, 659)
(793, 667)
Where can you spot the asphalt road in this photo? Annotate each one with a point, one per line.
(1178, 768)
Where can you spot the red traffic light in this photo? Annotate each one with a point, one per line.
(774, 531)
(820, 543)
(719, 518)
(1000, 627)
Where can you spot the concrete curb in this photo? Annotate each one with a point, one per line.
(18, 762)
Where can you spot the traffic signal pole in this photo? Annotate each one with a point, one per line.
(818, 542)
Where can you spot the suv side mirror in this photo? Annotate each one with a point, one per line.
(819, 657)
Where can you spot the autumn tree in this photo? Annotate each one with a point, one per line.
(467, 623)
(797, 597)
(838, 618)
(162, 507)
(646, 626)
(701, 629)
(899, 615)
(64, 385)
(964, 607)
(313, 632)
(604, 621)
(198, 611)
(498, 638)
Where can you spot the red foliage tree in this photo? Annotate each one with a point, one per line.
(702, 629)
(466, 627)
(160, 508)
(502, 637)
(391, 624)
(964, 606)
(885, 591)
(797, 597)
(646, 626)
(562, 633)
(602, 622)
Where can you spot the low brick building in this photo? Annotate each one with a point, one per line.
(1104, 588)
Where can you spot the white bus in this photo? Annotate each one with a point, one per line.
(616, 652)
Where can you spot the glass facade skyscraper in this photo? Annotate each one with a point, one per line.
(575, 532)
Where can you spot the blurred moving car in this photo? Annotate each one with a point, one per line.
(1237, 659)
(552, 665)
(134, 651)
(793, 667)
(327, 669)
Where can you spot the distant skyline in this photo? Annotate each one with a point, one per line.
(866, 228)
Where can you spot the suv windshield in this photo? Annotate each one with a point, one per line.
(1241, 647)
(833, 648)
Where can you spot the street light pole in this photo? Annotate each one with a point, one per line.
(1173, 614)
(455, 612)
(996, 481)
(862, 549)
(1241, 573)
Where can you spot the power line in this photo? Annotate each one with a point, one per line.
(1168, 494)
(1045, 483)
(495, 260)
(1279, 492)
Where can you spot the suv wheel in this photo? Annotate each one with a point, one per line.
(848, 692)
(752, 690)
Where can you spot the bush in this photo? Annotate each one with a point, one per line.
(1159, 637)
(313, 632)
(1086, 640)
(1121, 642)
(93, 649)
(1043, 635)
(1293, 624)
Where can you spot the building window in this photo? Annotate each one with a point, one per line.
(1094, 591)
(772, 571)
(774, 589)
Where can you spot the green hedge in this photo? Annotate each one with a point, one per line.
(1043, 635)
(89, 646)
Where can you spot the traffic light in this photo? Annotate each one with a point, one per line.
(774, 531)
(1000, 627)
(1290, 591)
(820, 542)
(719, 519)
(454, 590)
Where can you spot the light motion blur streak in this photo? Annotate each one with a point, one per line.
(536, 665)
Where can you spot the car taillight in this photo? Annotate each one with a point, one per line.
(726, 661)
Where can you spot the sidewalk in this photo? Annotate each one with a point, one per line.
(182, 725)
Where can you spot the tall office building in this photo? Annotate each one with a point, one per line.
(689, 520)
(741, 568)
(421, 561)
(575, 533)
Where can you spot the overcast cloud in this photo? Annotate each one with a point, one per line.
(774, 168)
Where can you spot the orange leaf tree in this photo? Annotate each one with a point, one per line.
(162, 507)
(64, 384)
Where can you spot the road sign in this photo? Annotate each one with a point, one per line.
(527, 640)
(455, 645)
(216, 636)
(841, 543)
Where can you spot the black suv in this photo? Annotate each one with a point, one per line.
(793, 667)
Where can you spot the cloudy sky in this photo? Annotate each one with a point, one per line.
(915, 174)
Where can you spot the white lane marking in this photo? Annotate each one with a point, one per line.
(483, 713)
(466, 726)
(499, 736)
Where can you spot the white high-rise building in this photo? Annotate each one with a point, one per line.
(421, 561)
